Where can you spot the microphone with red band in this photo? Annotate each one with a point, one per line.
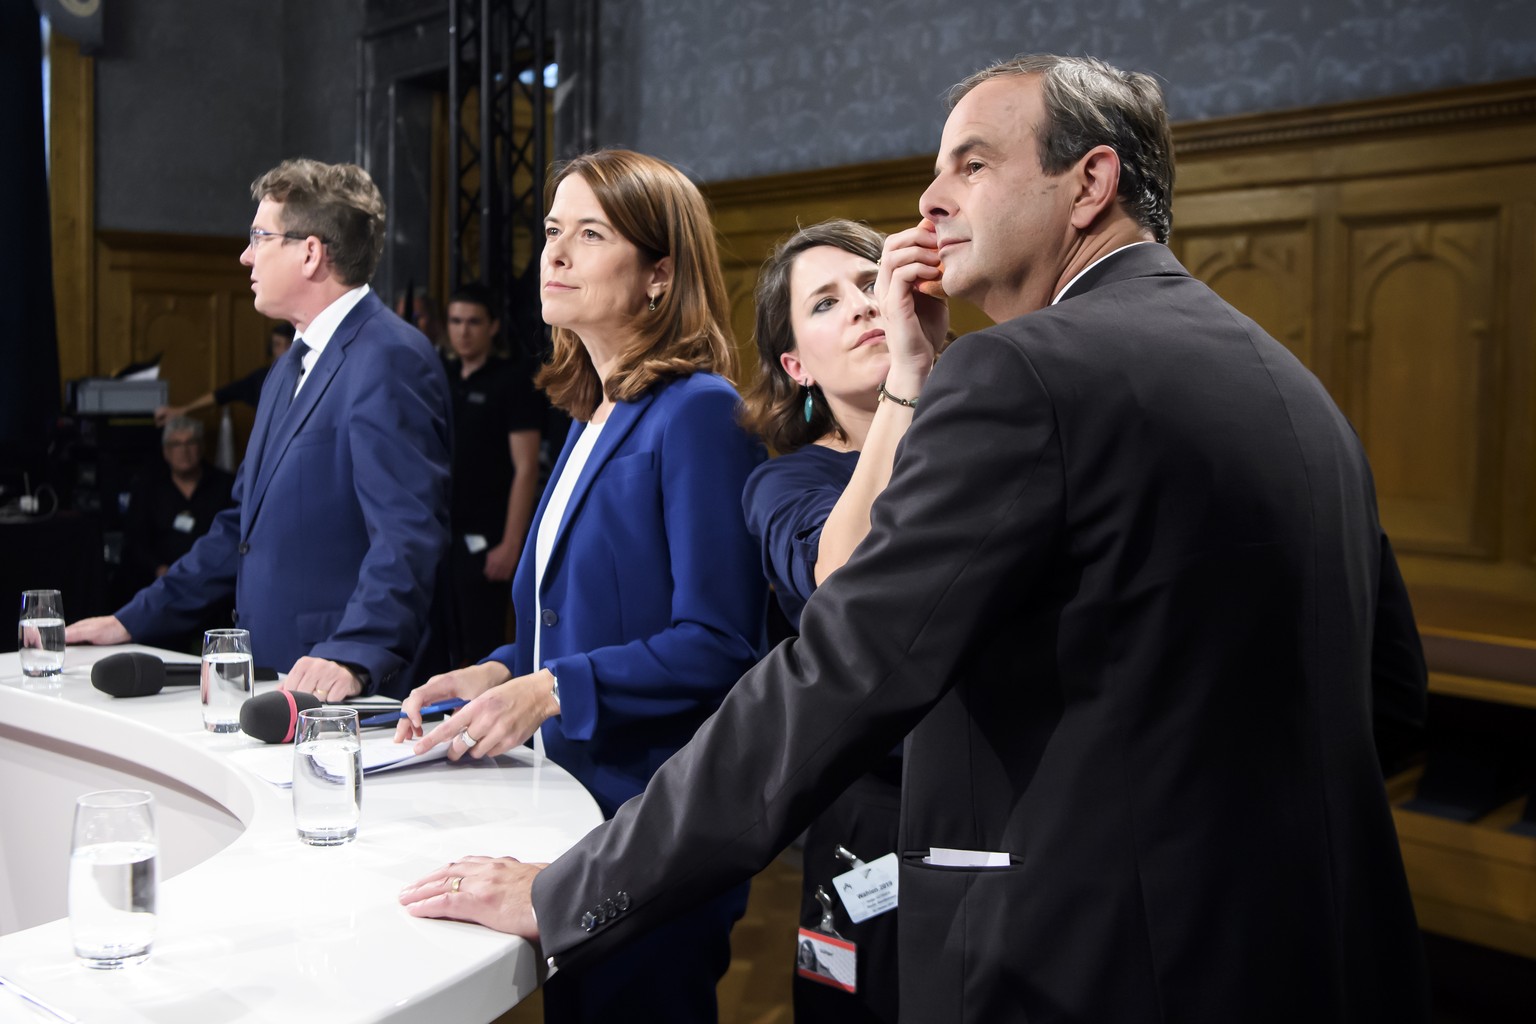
(273, 717)
(136, 674)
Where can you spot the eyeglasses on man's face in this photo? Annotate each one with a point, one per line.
(259, 235)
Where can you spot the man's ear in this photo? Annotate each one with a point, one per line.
(1097, 177)
(315, 261)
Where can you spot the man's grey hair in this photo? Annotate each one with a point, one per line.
(180, 425)
(1091, 103)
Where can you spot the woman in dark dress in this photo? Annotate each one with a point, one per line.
(834, 396)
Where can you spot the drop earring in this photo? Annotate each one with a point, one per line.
(652, 306)
(810, 404)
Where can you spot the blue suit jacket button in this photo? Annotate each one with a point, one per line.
(245, 548)
(589, 921)
(550, 616)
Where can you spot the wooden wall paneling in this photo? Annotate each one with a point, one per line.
(1256, 248)
(188, 300)
(1424, 390)
(1461, 268)
(1452, 173)
(72, 203)
(1475, 126)
(113, 348)
(1518, 286)
(1265, 270)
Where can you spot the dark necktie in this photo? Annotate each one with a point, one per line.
(293, 371)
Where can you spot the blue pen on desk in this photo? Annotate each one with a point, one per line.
(430, 709)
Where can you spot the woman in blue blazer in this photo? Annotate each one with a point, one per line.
(639, 598)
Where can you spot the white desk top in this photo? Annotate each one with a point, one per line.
(268, 929)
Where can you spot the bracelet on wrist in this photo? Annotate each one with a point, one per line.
(884, 395)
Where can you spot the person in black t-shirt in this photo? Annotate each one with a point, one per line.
(247, 389)
(496, 419)
(169, 507)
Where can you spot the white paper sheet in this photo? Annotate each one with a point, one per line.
(273, 762)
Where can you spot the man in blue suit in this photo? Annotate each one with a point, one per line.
(333, 548)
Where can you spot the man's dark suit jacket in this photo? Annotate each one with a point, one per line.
(1122, 590)
(341, 516)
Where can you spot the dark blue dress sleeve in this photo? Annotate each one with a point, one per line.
(786, 502)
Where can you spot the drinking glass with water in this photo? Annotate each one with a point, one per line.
(228, 677)
(327, 776)
(113, 877)
(40, 633)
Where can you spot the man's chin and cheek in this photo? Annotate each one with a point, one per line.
(956, 282)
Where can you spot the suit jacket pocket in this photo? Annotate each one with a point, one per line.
(956, 923)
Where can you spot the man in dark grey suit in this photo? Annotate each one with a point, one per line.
(1122, 591)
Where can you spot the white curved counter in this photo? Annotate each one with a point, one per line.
(254, 925)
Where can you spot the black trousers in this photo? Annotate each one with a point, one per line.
(666, 976)
(479, 606)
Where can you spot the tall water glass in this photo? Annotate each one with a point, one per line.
(327, 776)
(228, 679)
(113, 877)
(40, 633)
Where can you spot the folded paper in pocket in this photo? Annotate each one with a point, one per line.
(938, 856)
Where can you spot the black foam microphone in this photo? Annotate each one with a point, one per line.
(273, 717)
(136, 674)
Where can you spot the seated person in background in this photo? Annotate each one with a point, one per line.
(827, 364)
(247, 389)
(496, 420)
(169, 507)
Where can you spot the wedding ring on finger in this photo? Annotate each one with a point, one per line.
(455, 882)
(466, 739)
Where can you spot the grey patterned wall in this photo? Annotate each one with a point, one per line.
(196, 98)
(737, 88)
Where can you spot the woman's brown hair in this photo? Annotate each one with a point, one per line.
(654, 206)
(774, 406)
